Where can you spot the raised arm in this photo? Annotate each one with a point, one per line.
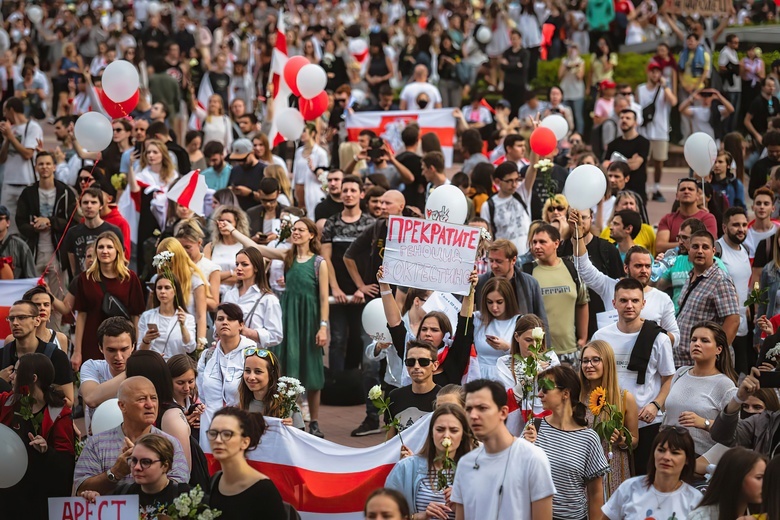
(268, 252)
(392, 312)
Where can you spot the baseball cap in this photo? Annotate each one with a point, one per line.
(241, 148)
(654, 65)
(503, 103)
(5, 213)
(607, 83)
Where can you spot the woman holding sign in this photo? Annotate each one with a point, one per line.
(435, 328)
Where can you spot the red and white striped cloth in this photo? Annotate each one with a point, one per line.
(11, 291)
(321, 479)
(389, 125)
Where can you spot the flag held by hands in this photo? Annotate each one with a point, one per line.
(190, 192)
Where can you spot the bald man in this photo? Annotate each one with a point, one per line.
(419, 85)
(103, 462)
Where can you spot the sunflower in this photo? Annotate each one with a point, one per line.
(598, 398)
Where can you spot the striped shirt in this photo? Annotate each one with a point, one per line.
(576, 458)
(101, 451)
(425, 495)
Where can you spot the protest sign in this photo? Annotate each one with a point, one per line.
(120, 507)
(701, 7)
(430, 255)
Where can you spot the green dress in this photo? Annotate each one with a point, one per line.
(300, 356)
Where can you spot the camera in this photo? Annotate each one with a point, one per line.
(375, 149)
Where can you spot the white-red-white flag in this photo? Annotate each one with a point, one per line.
(190, 192)
(282, 92)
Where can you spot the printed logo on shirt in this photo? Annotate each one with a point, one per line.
(556, 289)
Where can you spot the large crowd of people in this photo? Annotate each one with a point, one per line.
(190, 320)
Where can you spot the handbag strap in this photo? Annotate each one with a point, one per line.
(691, 287)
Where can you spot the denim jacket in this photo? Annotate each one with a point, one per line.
(406, 476)
(770, 278)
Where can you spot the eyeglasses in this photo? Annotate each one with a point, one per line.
(145, 463)
(340, 100)
(559, 209)
(545, 390)
(21, 317)
(119, 130)
(626, 93)
(225, 435)
(683, 237)
(86, 179)
(259, 352)
(591, 361)
(424, 362)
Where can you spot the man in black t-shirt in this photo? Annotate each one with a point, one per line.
(77, 238)
(761, 109)
(414, 192)
(23, 320)
(246, 174)
(635, 149)
(330, 205)
(409, 403)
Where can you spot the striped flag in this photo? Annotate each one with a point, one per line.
(390, 124)
(11, 291)
(321, 479)
(190, 191)
(281, 94)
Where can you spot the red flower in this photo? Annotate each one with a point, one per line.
(25, 390)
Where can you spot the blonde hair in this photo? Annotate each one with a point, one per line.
(182, 268)
(221, 107)
(275, 171)
(609, 377)
(242, 222)
(555, 199)
(167, 170)
(189, 229)
(120, 263)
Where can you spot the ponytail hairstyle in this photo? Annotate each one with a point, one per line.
(31, 365)
(252, 424)
(566, 379)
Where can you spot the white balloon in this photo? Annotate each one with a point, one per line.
(375, 321)
(557, 124)
(93, 131)
(585, 187)
(35, 14)
(484, 35)
(290, 123)
(120, 80)
(153, 8)
(700, 153)
(13, 457)
(311, 80)
(447, 204)
(107, 416)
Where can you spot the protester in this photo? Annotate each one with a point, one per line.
(386, 504)
(258, 386)
(223, 248)
(166, 329)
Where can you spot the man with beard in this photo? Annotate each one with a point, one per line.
(735, 256)
(635, 149)
(689, 197)
(638, 264)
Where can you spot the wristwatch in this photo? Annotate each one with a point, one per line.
(111, 476)
(707, 424)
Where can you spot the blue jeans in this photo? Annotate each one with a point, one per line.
(577, 107)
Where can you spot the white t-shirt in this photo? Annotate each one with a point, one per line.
(738, 264)
(633, 500)
(96, 370)
(754, 237)
(302, 174)
(661, 364)
(413, 90)
(480, 115)
(47, 200)
(729, 55)
(170, 341)
(522, 470)
(700, 119)
(511, 220)
(19, 170)
(658, 130)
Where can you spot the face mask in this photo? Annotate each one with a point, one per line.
(743, 414)
(422, 103)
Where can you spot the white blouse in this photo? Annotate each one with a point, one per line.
(169, 342)
(262, 313)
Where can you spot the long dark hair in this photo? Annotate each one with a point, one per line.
(252, 424)
(507, 292)
(411, 295)
(725, 487)
(176, 289)
(769, 494)
(675, 438)
(444, 323)
(152, 366)
(245, 395)
(258, 264)
(314, 243)
(566, 379)
(723, 361)
(467, 443)
(31, 365)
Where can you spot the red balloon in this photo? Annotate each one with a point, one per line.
(313, 108)
(543, 141)
(291, 69)
(117, 110)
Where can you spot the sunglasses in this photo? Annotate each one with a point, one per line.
(546, 390)
(556, 208)
(259, 352)
(678, 429)
(145, 463)
(86, 179)
(424, 362)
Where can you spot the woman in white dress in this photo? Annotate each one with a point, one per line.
(166, 329)
(494, 325)
(261, 308)
(309, 157)
(215, 124)
(223, 248)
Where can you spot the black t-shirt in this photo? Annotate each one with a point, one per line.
(249, 177)
(220, 82)
(327, 208)
(367, 250)
(163, 498)
(414, 192)
(63, 373)
(78, 237)
(761, 109)
(260, 501)
(627, 148)
(341, 234)
(764, 253)
(513, 74)
(759, 174)
(407, 406)
(539, 192)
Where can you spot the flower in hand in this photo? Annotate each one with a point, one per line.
(382, 403)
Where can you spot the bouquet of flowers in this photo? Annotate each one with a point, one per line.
(285, 227)
(526, 372)
(287, 391)
(190, 505)
(757, 296)
(323, 178)
(382, 404)
(545, 167)
(26, 410)
(446, 475)
(607, 418)
(773, 354)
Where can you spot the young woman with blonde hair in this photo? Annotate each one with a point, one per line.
(216, 124)
(190, 235)
(599, 370)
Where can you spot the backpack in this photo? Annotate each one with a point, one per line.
(716, 119)
(49, 350)
(492, 209)
(528, 268)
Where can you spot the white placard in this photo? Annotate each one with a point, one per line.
(430, 255)
(446, 303)
(119, 507)
(606, 318)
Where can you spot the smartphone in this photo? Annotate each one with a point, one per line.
(769, 379)
(152, 327)
(193, 408)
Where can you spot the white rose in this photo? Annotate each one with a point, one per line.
(446, 442)
(756, 287)
(537, 334)
(375, 393)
